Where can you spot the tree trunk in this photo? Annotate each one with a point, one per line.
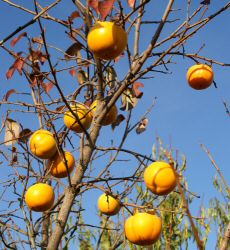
(71, 192)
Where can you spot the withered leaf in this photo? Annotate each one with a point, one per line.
(94, 4)
(120, 118)
(17, 65)
(37, 40)
(8, 94)
(24, 135)
(128, 99)
(12, 132)
(82, 76)
(73, 72)
(72, 51)
(131, 3)
(105, 8)
(141, 127)
(74, 15)
(47, 86)
(17, 39)
(10, 72)
(111, 77)
(137, 92)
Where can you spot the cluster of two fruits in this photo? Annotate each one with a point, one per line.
(144, 228)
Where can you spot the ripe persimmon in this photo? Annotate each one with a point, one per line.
(108, 205)
(143, 228)
(110, 117)
(200, 76)
(43, 144)
(40, 197)
(84, 115)
(160, 177)
(107, 40)
(57, 165)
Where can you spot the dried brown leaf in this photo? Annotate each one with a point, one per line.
(10, 72)
(137, 92)
(94, 4)
(74, 15)
(131, 3)
(141, 127)
(128, 99)
(17, 39)
(82, 77)
(37, 40)
(47, 86)
(73, 72)
(18, 65)
(72, 51)
(8, 94)
(105, 8)
(12, 132)
(24, 135)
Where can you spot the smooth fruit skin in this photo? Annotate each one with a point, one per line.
(84, 116)
(110, 117)
(40, 197)
(57, 165)
(108, 205)
(200, 76)
(160, 177)
(43, 144)
(107, 40)
(143, 229)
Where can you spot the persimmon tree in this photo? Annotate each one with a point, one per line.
(115, 83)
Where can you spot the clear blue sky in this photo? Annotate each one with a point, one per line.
(182, 116)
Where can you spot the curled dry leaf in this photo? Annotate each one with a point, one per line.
(105, 7)
(111, 77)
(128, 99)
(94, 4)
(18, 65)
(120, 118)
(74, 15)
(17, 39)
(137, 92)
(82, 77)
(141, 127)
(37, 55)
(10, 72)
(72, 51)
(131, 3)
(37, 40)
(73, 72)
(47, 86)
(24, 135)
(8, 94)
(12, 132)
